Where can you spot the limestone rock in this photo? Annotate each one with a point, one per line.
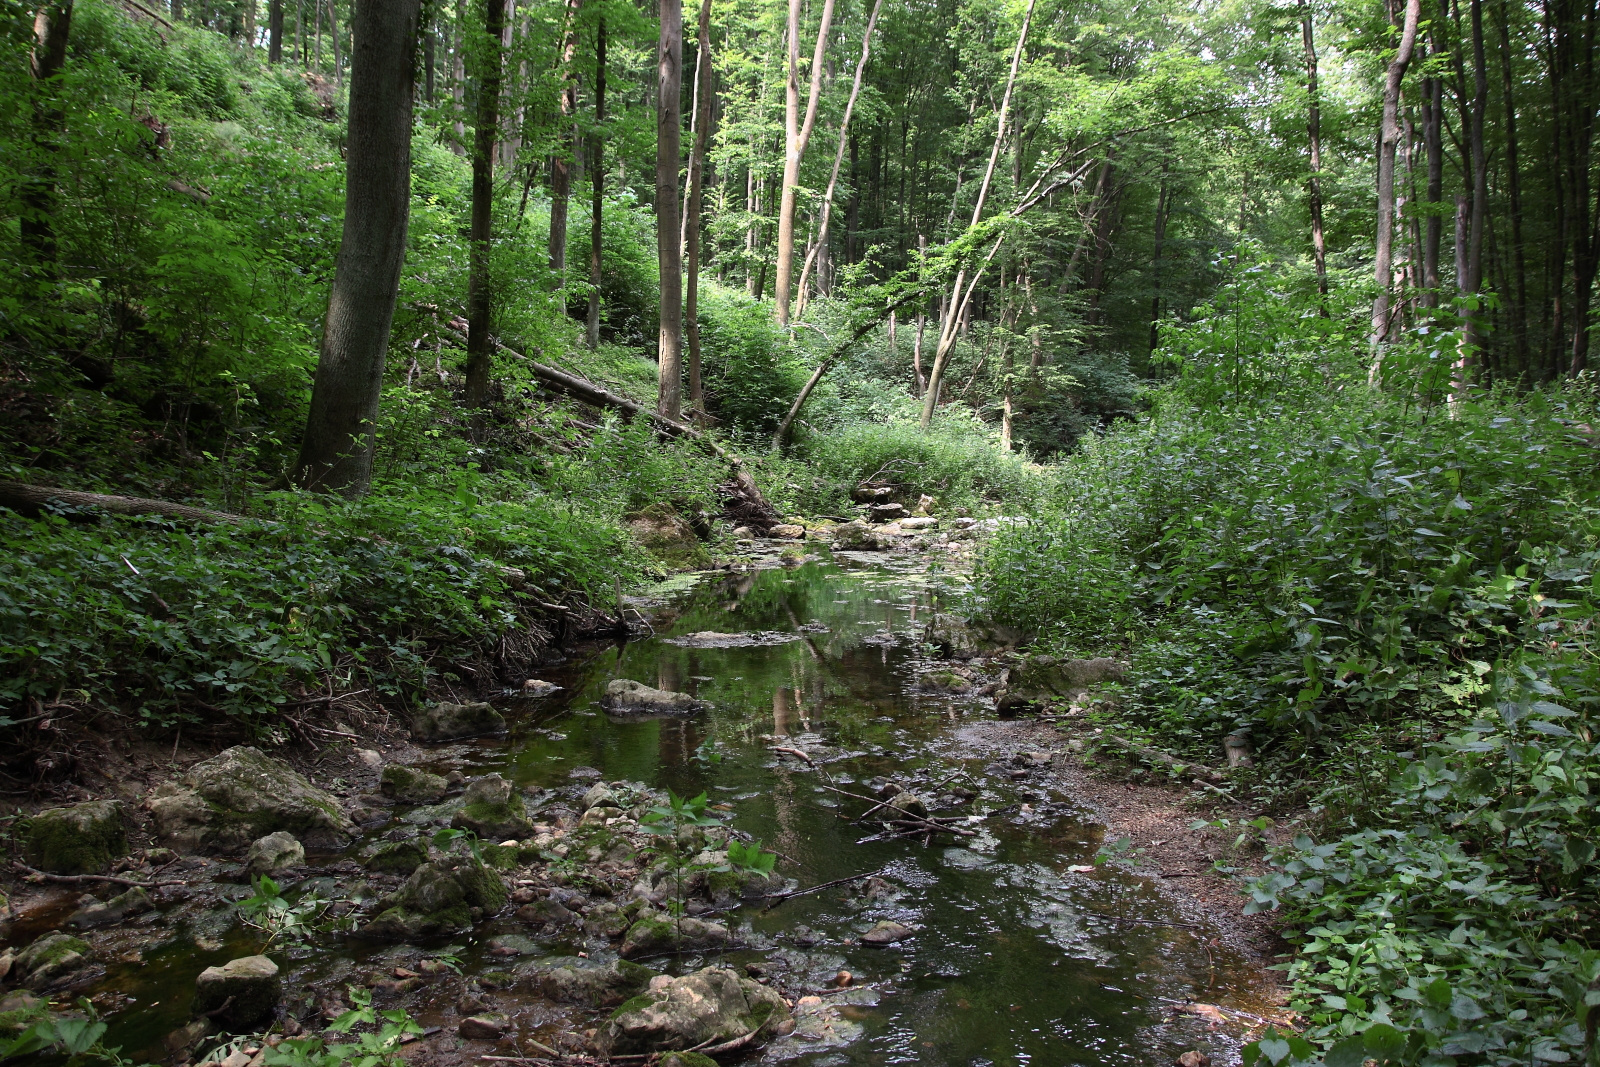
(446, 722)
(493, 811)
(925, 522)
(490, 1027)
(624, 696)
(438, 900)
(944, 682)
(50, 960)
(652, 933)
(787, 531)
(707, 1007)
(1041, 679)
(600, 795)
(575, 980)
(273, 853)
(80, 839)
(398, 857)
(233, 798)
(668, 536)
(249, 986)
(408, 785)
(122, 906)
(857, 536)
(886, 932)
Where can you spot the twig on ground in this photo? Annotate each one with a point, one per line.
(82, 879)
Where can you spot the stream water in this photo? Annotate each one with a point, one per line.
(1015, 959)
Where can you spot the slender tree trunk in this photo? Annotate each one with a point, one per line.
(669, 122)
(336, 452)
(957, 304)
(1155, 264)
(480, 296)
(429, 62)
(250, 22)
(1519, 313)
(338, 49)
(316, 7)
(1388, 139)
(838, 156)
(697, 162)
(1471, 344)
(274, 31)
(458, 86)
(561, 162)
(1433, 148)
(1319, 247)
(52, 26)
(597, 182)
(798, 134)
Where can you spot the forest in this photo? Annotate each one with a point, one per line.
(369, 350)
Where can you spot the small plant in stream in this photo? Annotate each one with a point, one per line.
(270, 912)
(76, 1038)
(668, 823)
(371, 1048)
(751, 858)
(443, 839)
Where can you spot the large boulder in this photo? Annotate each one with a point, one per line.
(52, 960)
(447, 722)
(274, 853)
(576, 980)
(441, 898)
(626, 697)
(1040, 680)
(960, 638)
(80, 839)
(492, 810)
(238, 994)
(398, 857)
(857, 536)
(668, 536)
(709, 1007)
(408, 785)
(243, 794)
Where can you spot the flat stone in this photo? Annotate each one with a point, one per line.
(409, 785)
(787, 531)
(242, 794)
(577, 980)
(249, 987)
(50, 960)
(122, 906)
(483, 1027)
(624, 696)
(886, 932)
(704, 1008)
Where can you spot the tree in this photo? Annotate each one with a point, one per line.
(797, 135)
(597, 178)
(669, 122)
(691, 222)
(274, 31)
(336, 452)
(52, 25)
(480, 297)
(1388, 140)
(561, 162)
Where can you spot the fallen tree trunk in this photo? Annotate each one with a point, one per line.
(1182, 766)
(32, 499)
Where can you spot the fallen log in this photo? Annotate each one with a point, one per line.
(1182, 766)
(32, 499)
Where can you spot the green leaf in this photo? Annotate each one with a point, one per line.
(1351, 1052)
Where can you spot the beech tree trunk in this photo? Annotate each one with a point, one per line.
(51, 27)
(798, 134)
(1388, 139)
(1433, 148)
(597, 180)
(1472, 270)
(336, 452)
(274, 31)
(480, 302)
(957, 304)
(1319, 245)
(691, 220)
(1519, 310)
(561, 162)
(669, 122)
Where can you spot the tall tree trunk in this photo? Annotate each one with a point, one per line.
(1388, 139)
(429, 62)
(480, 296)
(957, 304)
(250, 22)
(338, 48)
(669, 123)
(838, 156)
(697, 163)
(1519, 312)
(597, 182)
(52, 25)
(458, 81)
(336, 452)
(1319, 246)
(561, 162)
(1155, 264)
(798, 133)
(274, 31)
(1433, 148)
(922, 320)
(1471, 344)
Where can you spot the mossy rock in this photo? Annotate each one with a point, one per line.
(438, 901)
(447, 722)
(408, 785)
(398, 857)
(668, 536)
(509, 857)
(493, 810)
(654, 933)
(243, 794)
(575, 980)
(80, 839)
(686, 1059)
(707, 1007)
(51, 960)
(240, 993)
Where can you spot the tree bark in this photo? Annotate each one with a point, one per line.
(798, 134)
(274, 31)
(28, 499)
(1319, 246)
(956, 304)
(838, 156)
(1519, 312)
(480, 298)
(691, 222)
(561, 162)
(669, 123)
(51, 28)
(1388, 138)
(597, 181)
(1433, 148)
(1471, 343)
(336, 453)
(1155, 264)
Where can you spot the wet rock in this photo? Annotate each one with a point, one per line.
(122, 906)
(483, 1027)
(1193, 1058)
(886, 932)
(668, 536)
(787, 531)
(438, 900)
(19, 1010)
(926, 522)
(714, 639)
(708, 1007)
(625, 696)
(446, 722)
(600, 795)
(186, 1039)
(875, 889)
(686, 1059)
(409, 785)
(888, 512)
(547, 912)
(537, 687)
(233, 798)
(50, 961)
(238, 994)
(656, 932)
(575, 980)
(867, 493)
(511, 945)
(726, 887)
(80, 839)
(1040, 680)
(857, 536)
(492, 810)
(944, 682)
(398, 857)
(274, 853)
(908, 803)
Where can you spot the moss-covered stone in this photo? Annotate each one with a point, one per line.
(704, 1008)
(493, 811)
(243, 794)
(80, 839)
(398, 857)
(576, 980)
(687, 1059)
(655, 933)
(668, 536)
(409, 785)
(122, 906)
(51, 960)
(438, 900)
(446, 722)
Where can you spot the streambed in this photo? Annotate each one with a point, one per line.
(1023, 950)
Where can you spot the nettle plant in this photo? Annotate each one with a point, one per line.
(378, 1046)
(673, 825)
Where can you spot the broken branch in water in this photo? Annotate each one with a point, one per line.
(779, 898)
(82, 879)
